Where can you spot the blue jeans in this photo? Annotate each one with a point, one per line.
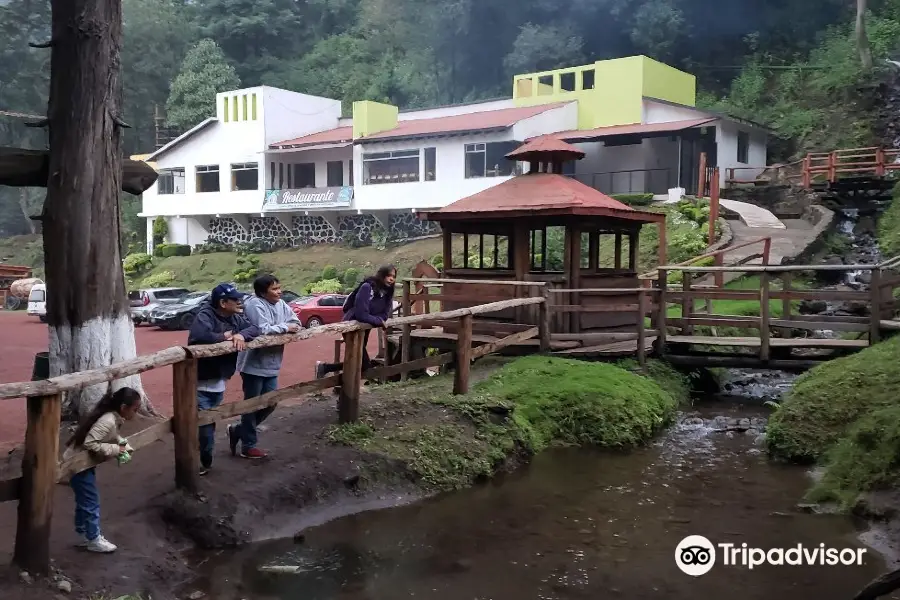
(254, 386)
(87, 504)
(206, 401)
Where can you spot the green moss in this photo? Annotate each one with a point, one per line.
(522, 408)
(889, 227)
(826, 401)
(865, 459)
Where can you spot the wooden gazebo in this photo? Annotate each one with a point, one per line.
(546, 227)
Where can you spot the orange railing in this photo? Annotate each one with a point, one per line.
(820, 167)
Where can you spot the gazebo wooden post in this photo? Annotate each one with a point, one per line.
(573, 234)
(448, 246)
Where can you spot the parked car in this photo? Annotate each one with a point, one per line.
(321, 309)
(180, 314)
(37, 302)
(143, 301)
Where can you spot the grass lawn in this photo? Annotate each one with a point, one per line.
(745, 308)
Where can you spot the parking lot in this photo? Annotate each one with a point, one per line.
(25, 336)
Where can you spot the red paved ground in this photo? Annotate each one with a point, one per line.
(23, 336)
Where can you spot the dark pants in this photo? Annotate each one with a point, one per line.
(87, 504)
(206, 401)
(254, 386)
(366, 361)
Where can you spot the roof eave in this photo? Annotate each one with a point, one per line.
(573, 211)
(422, 136)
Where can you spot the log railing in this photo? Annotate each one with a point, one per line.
(831, 166)
(42, 470)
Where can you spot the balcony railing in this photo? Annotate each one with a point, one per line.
(634, 181)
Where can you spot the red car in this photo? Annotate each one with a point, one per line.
(323, 309)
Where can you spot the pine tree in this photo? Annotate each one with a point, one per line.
(204, 73)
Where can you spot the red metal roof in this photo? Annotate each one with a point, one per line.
(329, 136)
(545, 144)
(635, 129)
(540, 194)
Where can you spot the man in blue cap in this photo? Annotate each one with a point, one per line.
(219, 321)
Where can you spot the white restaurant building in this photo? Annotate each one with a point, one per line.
(285, 167)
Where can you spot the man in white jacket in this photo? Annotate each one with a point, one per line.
(259, 367)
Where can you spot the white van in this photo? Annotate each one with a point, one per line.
(37, 302)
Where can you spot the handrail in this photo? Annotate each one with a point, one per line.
(769, 268)
(170, 356)
(720, 252)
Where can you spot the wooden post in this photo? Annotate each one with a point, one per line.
(337, 350)
(544, 320)
(767, 249)
(701, 185)
(879, 162)
(718, 276)
(662, 280)
(406, 330)
(32, 549)
(786, 279)
(184, 424)
(448, 249)
(618, 251)
(642, 312)
(713, 206)
(806, 176)
(764, 333)
(832, 173)
(463, 356)
(875, 308)
(633, 243)
(348, 401)
(687, 303)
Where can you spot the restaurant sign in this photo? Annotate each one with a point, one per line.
(307, 198)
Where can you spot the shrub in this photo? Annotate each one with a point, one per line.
(437, 261)
(247, 269)
(350, 277)
(634, 199)
(212, 245)
(326, 286)
(161, 279)
(136, 264)
(685, 245)
(167, 250)
(329, 272)
(160, 230)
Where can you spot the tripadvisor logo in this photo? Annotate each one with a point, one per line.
(695, 555)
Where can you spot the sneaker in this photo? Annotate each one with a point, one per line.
(320, 369)
(253, 453)
(83, 541)
(100, 545)
(233, 438)
(204, 471)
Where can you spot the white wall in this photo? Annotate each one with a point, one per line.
(660, 112)
(290, 115)
(449, 111)
(727, 142)
(564, 118)
(652, 153)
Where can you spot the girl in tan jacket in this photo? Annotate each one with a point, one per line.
(99, 435)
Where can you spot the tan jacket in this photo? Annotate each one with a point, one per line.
(102, 439)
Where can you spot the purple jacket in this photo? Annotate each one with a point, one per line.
(371, 304)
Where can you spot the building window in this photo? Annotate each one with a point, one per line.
(587, 79)
(225, 107)
(208, 178)
(400, 166)
(743, 147)
(351, 172)
(335, 173)
(489, 160)
(253, 106)
(304, 176)
(244, 176)
(234, 105)
(171, 181)
(272, 176)
(280, 176)
(244, 97)
(430, 164)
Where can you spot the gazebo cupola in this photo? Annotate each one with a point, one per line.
(546, 154)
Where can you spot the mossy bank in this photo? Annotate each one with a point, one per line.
(844, 415)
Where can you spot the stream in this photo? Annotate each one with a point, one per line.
(575, 524)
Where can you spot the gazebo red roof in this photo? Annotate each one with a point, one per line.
(546, 147)
(540, 194)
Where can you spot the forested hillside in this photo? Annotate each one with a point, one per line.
(792, 64)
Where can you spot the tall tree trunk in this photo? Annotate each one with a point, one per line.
(87, 307)
(862, 40)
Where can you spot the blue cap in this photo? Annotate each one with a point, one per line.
(225, 291)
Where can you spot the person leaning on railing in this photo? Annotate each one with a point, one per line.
(219, 321)
(371, 302)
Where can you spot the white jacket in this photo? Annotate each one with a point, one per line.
(102, 439)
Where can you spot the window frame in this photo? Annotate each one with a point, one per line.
(473, 148)
(392, 155)
(169, 175)
(298, 169)
(743, 147)
(429, 158)
(203, 169)
(328, 173)
(242, 167)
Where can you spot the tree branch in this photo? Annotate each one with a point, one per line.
(47, 44)
(118, 121)
(881, 586)
(38, 124)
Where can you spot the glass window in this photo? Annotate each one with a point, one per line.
(244, 176)
(351, 171)
(399, 166)
(225, 107)
(587, 79)
(253, 106)
(171, 181)
(304, 176)
(335, 173)
(743, 147)
(430, 164)
(567, 82)
(272, 174)
(280, 175)
(489, 160)
(208, 178)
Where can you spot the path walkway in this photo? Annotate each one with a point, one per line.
(752, 215)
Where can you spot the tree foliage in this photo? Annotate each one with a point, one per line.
(205, 72)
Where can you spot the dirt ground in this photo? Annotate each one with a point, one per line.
(305, 481)
(25, 336)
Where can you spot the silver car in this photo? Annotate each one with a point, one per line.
(143, 301)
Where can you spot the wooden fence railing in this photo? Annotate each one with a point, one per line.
(41, 469)
(830, 166)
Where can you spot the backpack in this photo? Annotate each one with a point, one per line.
(350, 302)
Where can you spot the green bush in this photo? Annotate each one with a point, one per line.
(168, 250)
(137, 264)
(437, 261)
(161, 279)
(326, 286)
(685, 245)
(634, 199)
(160, 230)
(350, 278)
(247, 269)
(889, 226)
(329, 272)
(212, 245)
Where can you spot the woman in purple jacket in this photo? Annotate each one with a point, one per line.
(371, 302)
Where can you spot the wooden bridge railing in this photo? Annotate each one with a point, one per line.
(830, 166)
(41, 469)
